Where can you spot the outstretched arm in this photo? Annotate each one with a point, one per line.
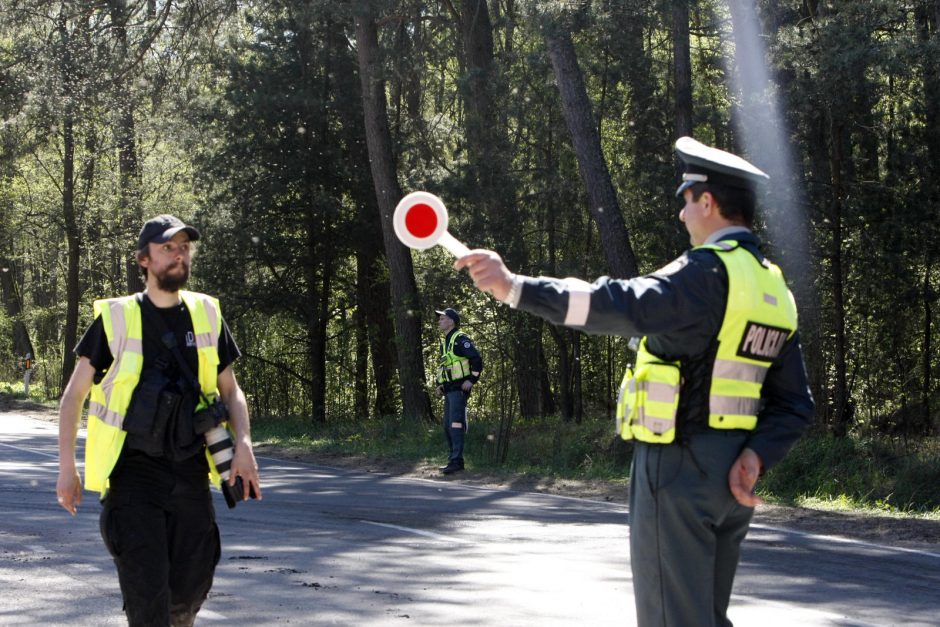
(689, 288)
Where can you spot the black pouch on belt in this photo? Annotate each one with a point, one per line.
(151, 408)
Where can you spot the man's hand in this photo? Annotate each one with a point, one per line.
(68, 489)
(488, 272)
(466, 385)
(743, 477)
(245, 466)
(243, 463)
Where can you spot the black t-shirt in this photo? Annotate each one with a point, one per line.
(135, 471)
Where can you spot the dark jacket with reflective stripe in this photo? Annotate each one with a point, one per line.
(680, 309)
(464, 347)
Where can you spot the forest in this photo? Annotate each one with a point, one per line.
(288, 130)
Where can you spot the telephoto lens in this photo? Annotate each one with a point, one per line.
(222, 450)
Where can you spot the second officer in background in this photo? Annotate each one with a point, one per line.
(459, 370)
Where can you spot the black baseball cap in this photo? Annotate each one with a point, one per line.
(450, 313)
(706, 164)
(162, 228)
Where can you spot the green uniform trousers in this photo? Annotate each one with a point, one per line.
(686, 530)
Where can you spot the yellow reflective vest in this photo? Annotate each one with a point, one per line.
(111, 397)
(453, 367)
(760, 316)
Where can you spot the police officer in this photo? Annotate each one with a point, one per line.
(459, 370)
(142, 452)
(718, 394)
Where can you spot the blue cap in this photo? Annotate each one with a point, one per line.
(450, 313)
(706, 164)
(162, 229)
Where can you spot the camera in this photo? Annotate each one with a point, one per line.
(235, 493)
(222, 450)
(209, 417)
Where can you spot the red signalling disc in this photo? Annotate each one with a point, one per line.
(421, 220)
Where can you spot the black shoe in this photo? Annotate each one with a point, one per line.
(452, 468)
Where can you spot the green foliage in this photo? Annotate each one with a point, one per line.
(247, 120)
(38, 391)
(873, 473)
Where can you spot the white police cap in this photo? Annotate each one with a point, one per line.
(704, 163)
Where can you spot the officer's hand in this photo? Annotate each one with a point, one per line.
(743, 477)
(245, 466)
(488, 272)
(68, 489)
(466, 385)
(440, 390)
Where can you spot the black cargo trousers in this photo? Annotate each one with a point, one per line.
(165, 552)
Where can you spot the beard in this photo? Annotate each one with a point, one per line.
(172, 282)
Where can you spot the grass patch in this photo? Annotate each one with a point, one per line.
(879, 476)
(544, 446)
(37, 393)
(387, 438)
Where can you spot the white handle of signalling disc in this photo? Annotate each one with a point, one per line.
(453, 245)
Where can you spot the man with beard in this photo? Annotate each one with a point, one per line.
(156, 364)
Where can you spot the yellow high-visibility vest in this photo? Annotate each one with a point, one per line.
(111, 397)
(760, 316)
(453, 367)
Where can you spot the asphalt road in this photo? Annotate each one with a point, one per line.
(333, 546)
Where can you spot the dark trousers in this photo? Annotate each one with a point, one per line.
(165, 556)
(455, 424)
(686, 530)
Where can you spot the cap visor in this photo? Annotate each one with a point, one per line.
(169, 233)
(685, 185)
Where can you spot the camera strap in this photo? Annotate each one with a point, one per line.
(168, 339)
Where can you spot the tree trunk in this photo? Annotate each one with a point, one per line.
(629, 25)
(380, 329)
(70, 220)
(602, 199)
(928, 347)
(318, 270)
(372, 317)
(576, 387)
(840, 415)
(682, 67)
(125, 135)
(564, 374)
(13, 305)
(930, 39)
(73, 239)
(361, 363)
(407, 314)
(490, 165)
